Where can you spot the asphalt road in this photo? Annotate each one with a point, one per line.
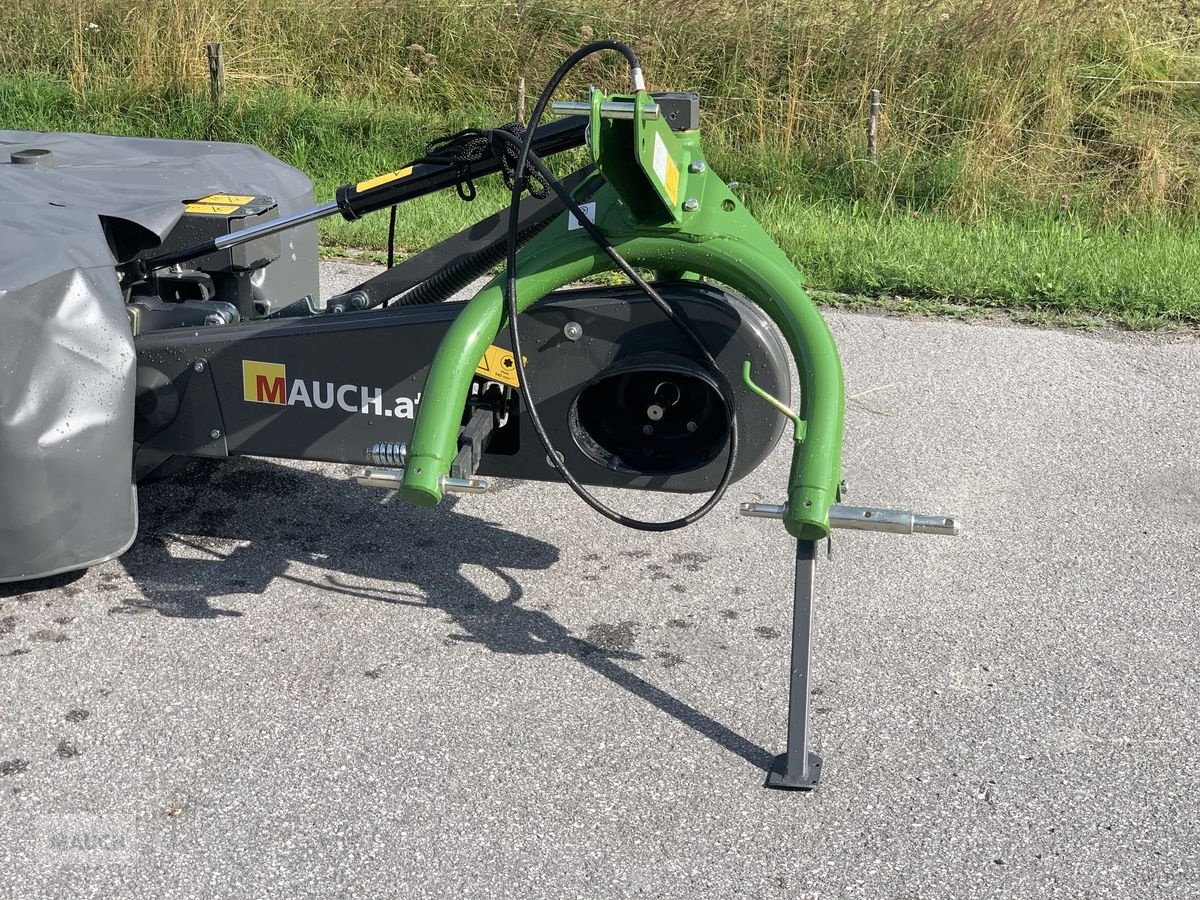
(293, 686)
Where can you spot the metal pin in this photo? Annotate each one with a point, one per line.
(462, 485)
(863, 518)
(609, 109)
(389, 479)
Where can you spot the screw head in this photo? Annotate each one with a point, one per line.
(214, 319)
(696, 168)
(198, 366)
(215, 433)
(691, 204)
(647, 430)
(572, 331)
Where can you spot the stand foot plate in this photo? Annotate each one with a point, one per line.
(779, 777)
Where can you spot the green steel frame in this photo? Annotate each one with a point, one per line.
(662, 209)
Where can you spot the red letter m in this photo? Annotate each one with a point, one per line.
(269, 390)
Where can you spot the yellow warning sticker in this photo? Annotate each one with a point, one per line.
(211, 209)
(672, 181)
(665, 169)
(498, 365)
(235, 199)
(383, 179)
(218, 204)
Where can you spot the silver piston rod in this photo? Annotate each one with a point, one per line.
(866, 518)
(416, 180)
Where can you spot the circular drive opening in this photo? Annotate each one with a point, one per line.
(657, 415)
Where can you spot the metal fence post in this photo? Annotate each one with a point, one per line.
(873, 124)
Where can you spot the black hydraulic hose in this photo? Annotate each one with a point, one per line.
(526, 157)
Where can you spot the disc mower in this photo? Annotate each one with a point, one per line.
(159, 300)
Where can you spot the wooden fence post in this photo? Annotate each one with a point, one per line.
(873, 124)
(216, 73)
(520, 120)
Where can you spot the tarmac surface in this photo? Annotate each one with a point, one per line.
(293, 686)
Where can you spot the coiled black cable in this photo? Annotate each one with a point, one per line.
(525, 158)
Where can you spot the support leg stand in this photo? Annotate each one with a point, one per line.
(798, 769)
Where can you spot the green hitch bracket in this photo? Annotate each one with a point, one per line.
(691, 223)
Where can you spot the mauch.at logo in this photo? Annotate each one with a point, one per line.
(86, 838)
(264, 382)
(267, 382)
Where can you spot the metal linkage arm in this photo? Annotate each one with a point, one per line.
(356, 200)
(716, 238)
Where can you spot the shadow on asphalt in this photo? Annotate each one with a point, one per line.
(33, 585)
(234, 527)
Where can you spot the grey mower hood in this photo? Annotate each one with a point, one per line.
(67, 360)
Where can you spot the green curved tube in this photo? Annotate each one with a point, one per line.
(720, 241)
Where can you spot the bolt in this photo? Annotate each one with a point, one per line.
(647, 430)
(573, 331)
(696, 168)
(691, 204)
(215, 433)
(198, 366)
(214, 318)
(691, 427)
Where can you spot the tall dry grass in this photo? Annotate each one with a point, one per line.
(988, 104)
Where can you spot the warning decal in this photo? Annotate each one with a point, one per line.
(665, 169)
(383, 179)
(217, 204)
(498, 365)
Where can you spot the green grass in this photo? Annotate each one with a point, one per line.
(1044, 264)
(993, 110)
(989, 105)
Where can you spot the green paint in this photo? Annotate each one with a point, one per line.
(719, 240)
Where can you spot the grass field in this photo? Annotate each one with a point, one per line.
(994, 112)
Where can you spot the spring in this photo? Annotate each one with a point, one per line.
(388, 453)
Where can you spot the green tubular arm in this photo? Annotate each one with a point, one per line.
(720, 241)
